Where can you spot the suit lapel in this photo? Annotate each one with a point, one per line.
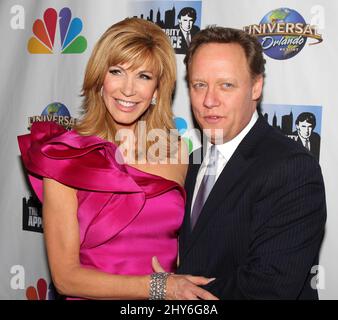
(237, 166)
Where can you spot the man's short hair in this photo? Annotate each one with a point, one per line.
(307, 116)
(187, 11)
(214, 34)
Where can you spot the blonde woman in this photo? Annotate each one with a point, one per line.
(104, 218)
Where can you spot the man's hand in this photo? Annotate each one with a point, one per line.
(184, 287)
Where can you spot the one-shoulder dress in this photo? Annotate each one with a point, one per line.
(126, 216)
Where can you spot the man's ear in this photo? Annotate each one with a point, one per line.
(257, 87)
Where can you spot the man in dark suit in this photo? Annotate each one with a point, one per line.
(186, 19)
(305, 136)
(256, 210)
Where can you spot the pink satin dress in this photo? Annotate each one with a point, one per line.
(126, 216)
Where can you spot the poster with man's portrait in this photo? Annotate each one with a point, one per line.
(300, 123)
(180, 20)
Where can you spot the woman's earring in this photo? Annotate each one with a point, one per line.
(153, 101)
(101, 92)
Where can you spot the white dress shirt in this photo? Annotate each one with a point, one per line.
(226, 150)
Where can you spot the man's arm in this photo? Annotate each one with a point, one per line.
(288, 219)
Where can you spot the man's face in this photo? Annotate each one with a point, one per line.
(222, 92)
(304, 129)
(186, 23)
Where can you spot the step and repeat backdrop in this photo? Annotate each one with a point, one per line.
(45, 47)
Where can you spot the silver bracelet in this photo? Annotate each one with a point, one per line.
(158, 285)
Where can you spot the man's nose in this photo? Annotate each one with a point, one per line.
(211, 100)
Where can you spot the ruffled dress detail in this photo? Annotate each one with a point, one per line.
(125, 215)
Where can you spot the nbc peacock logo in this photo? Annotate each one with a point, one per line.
(42, 291)
(45, 31)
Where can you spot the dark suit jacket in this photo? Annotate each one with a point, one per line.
(261, 228)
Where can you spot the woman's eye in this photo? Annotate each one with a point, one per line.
(115, 71)
(145, 76)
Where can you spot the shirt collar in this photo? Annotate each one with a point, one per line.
(227, 149)
(303, 139)
(185, 33)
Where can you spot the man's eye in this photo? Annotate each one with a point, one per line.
(227, 85)
(199, 85)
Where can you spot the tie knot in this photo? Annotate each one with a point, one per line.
(213, 152)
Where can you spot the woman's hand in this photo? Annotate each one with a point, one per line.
(184, 287)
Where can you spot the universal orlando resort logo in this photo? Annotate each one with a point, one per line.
(283, 33)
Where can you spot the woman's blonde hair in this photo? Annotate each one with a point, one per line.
(135, 42)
